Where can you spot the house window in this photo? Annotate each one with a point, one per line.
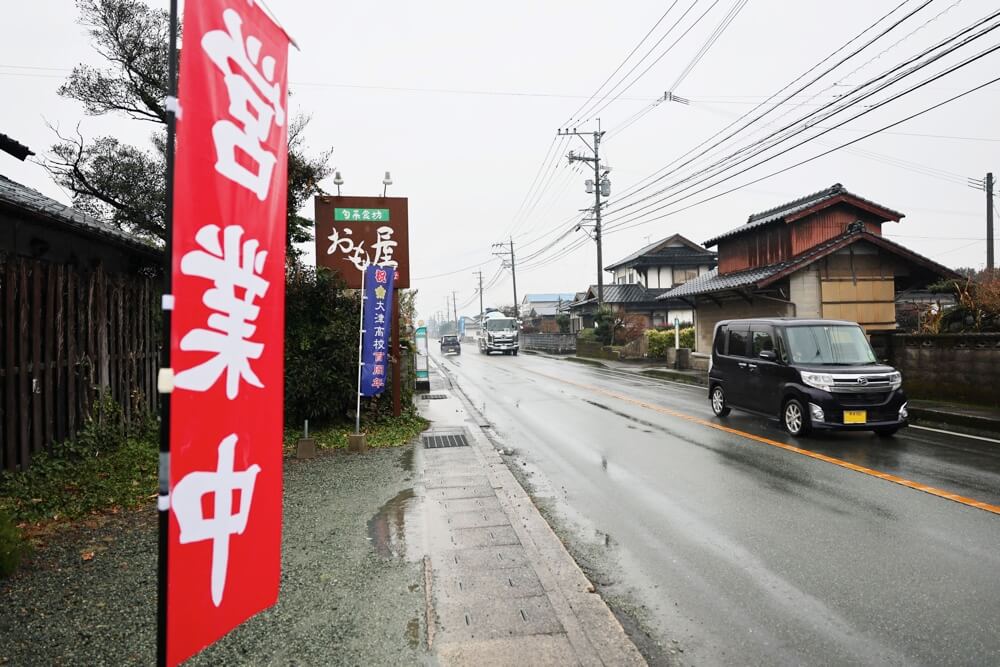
(681, 276)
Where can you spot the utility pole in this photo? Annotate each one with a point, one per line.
(454, 304)
(989, 221)
(504, 255)
(480, 274)
(513, 276)
(600, 186)
(986, 184)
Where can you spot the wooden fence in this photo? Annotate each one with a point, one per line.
(66, 333)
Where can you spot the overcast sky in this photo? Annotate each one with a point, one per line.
(461, 101)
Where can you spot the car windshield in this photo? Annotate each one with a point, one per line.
(836, 345)
(499, 324)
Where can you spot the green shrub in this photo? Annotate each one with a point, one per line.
(687, 338)
(587, 335)
(321, 350)
(321, 346)
(109, 464)
(659, 343)
(605, 325)
(12, 546)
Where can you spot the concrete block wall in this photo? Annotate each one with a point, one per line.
(947, 367)
(545, 342)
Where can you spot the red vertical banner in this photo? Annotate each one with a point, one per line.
(227, 333)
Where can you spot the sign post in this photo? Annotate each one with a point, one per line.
(677, 333)
(423, 359)
(224, 302)
(355, 232)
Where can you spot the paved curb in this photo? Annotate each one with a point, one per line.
(973, 422)
(586, 362)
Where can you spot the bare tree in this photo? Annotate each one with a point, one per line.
(123, 184)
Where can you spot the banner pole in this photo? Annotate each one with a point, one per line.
(164, 387)
(361, 361)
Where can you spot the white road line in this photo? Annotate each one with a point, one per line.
(960, 435)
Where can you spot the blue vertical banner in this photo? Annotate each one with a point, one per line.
(377, 326)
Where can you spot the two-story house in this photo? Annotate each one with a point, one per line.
(822, 255)
(639, 279)
(667, 263)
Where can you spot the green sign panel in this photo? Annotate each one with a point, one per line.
(361, 214)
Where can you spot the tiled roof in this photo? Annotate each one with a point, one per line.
(624, 293)
(555, 297)
(542, 311)
(789, 209)
(21, 197)
(689, 247)
(762, 276)
(713, 282)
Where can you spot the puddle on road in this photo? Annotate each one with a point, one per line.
(387, 529)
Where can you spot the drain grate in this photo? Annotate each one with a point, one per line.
(440, 441)
(433, 397)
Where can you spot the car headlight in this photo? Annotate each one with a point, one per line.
(896, 379)
(817, 413)
(822, 381)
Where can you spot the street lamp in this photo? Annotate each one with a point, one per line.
(386, 182)
(338, 180)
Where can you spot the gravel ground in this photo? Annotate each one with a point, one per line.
(346, 599)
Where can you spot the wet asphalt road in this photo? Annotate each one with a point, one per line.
(744, 553)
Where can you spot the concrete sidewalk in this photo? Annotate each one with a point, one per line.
(501, 588)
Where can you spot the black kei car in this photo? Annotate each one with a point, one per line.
(811, 374)
(450, 344)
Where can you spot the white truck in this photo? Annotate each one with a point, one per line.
(498, 333)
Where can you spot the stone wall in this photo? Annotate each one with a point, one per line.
(947, 367)
(549, 342)
(595, 350)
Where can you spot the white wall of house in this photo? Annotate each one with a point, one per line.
(658, 276)
(804, 292)
(709, 314)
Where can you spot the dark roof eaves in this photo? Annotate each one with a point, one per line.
(798, 206)
(24, 200)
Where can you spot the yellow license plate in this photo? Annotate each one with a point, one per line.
(855, 416)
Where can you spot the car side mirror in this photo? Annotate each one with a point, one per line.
(769, 355)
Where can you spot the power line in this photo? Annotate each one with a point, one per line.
(636, 216)
(451, 273)
(572, 116)
(639, 185)
(758, 146)
(534, 181)
(623, 227)
(351, 86)
(721, 28)
(593, 114)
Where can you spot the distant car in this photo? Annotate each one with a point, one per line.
(811, 374)
(450, 344)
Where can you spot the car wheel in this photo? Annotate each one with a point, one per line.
(719, 405)
(886, 432)
(795, 419)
